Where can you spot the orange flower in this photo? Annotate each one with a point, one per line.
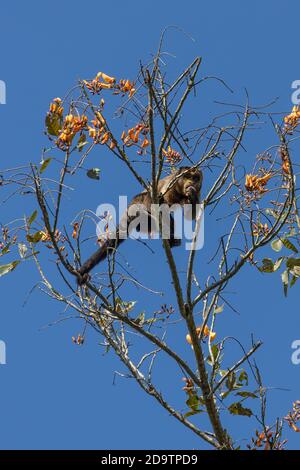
(133, 135)
(292, 120)
(145, 143)
(56, 108)
(104, 138)
(126, 86)
(75, 230)
(206, 333)
(71, 126)
(100, 117)
(285, 160)
(260, 229)
(257, 183)
(95, 85)
(294, 416)
(92, 132)
(171, 155)
(105, 77)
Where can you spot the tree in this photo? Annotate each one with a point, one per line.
(258, 198)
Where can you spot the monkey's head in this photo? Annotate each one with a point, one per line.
(190, 183)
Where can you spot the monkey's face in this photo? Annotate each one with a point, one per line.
(191, 182)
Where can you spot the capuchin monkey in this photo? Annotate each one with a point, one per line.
(182, 187)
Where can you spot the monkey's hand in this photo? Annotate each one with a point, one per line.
(192, 195)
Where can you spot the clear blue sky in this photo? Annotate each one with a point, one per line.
(53, 394)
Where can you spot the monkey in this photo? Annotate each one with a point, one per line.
(181, 187)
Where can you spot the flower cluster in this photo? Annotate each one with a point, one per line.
(98, 131)
(71, 126)
(79, 340)
(54, 118)
(255, 183)
(171, 155)
(133, 137)
(285, 161)
(291, 121)
(56, 107)
(105, 82)
(294, 416)
(260, 229)
(189, 386)
(100, 82)
(266, 440)
(206, 333)
(45, 238)
(125, 86)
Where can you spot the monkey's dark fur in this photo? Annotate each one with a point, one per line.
(182, 187)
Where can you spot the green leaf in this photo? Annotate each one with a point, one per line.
(215, 352)
(222, 372)
(272, 213)
(219, 309)
(230, 382)
(293, 280)
(32, 217)
(150, 321)
(5, 250)
(193, 402)
(292, 262)
(285, 281)
(223, 395)
(53, 124)
(277, 244)
(238, 409)
(288, 244)
(243, 377)
(246, 394)
(125, 307)
(267, 266)
(35, 238)
(192, 412)
(6, 268)
(296, 271)
(22, 249)
(278, 263)
(140, 319)
(93, 173)
(44, 164)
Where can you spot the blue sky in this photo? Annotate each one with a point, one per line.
(53, 394)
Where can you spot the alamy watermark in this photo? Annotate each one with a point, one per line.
(2, 92)
(295, 357)
(137, 221)
(2, 353)
(295, 97)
